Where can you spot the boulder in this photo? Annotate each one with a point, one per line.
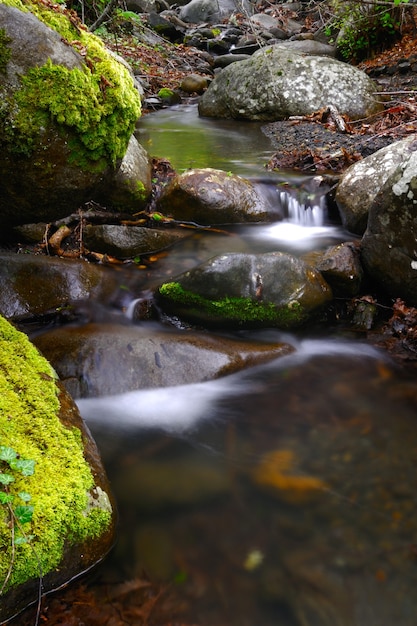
(276, 83)
(211, 11)
(126, 242)
(34, 285)
(209, 196)
(69, 108)
(361, 182)
(389, 252)
(57, 516)
(341, 267)
(107, 359)
(247, 291)
(131, 186)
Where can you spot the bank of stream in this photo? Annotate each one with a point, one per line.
(283, 495)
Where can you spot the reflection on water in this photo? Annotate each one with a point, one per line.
(189, 141)
(283, 496)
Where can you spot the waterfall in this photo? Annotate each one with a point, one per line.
(303, 208)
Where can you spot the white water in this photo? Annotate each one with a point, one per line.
(181, 408)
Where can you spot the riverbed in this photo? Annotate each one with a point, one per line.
(281, 495)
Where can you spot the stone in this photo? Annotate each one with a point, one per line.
(104, 359)
(62, 131)
(126, 242)
(276, 83)
(209, 196)
(389, 253)
(34, 284)
(340, 265)
(361, 182)
(247, 291)
(70, 520)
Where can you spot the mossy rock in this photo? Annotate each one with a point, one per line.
(72, 525)
(68, 110)
(247, 291)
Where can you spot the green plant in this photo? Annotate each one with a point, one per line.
(364, 27)
(15, 505)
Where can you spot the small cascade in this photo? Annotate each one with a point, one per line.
(304, 210)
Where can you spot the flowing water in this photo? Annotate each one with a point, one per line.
(284, 495)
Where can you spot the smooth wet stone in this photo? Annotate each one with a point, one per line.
(341, 267)
(35, 284)
(126, 242)
(102, 359)
(247, 290)
(210, 196)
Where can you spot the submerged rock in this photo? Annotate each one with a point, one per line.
(68, 519)
(102, 359)
(276, 83)
(247, 290)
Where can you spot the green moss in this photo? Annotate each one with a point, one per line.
(243, 310)
(99, 102)
(5, 51)
(62, 484)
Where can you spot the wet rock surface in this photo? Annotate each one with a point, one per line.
(100, 360)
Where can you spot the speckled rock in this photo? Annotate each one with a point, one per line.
(361, 182)
(276, 83)
(389, 251)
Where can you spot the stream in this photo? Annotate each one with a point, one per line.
(283, 495)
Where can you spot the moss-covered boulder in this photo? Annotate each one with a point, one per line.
(247, 291)
(65, 523)
(68, 108)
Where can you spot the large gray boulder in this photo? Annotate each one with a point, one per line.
(211, 11)
(247, 291)
(68, 111)
(389, 250)
(276, 83)
(361, 182)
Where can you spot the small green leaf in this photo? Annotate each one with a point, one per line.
(5, 498)
(20, 539)
(6, 479)
(23, 495)
(7, 454)
(23, 514)
(25, 466)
